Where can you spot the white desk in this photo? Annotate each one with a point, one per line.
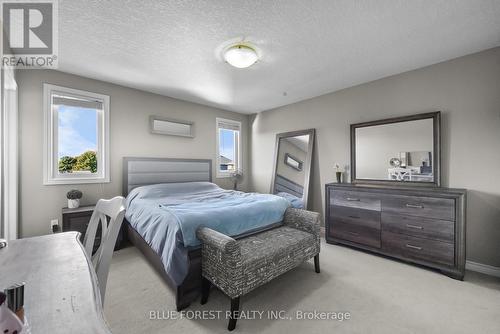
(61, 293)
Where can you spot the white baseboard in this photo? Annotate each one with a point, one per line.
(482, 268)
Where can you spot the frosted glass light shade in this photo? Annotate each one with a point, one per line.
(241, 56)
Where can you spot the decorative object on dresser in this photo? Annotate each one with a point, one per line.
(338, 172)
(78, 220)
(422, 225)
(74, 197)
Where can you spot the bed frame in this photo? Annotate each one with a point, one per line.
(144, 171)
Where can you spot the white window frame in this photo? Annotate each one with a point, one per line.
(9, 155)
(51, 175)
(239, 164)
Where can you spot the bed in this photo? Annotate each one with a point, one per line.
(167, 199)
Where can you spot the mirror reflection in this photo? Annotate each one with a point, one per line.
(401, 151)
(293, 156)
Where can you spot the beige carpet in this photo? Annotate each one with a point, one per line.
(381, 296)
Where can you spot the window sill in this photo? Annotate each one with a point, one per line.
(223, 175)
(52, 182)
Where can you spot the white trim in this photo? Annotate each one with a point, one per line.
(50, 175)
(10, 155)
(482, 268)
(219, 174)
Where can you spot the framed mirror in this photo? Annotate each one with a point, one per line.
(403, 150)
(292, 166)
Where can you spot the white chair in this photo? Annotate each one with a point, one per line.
(101, 259)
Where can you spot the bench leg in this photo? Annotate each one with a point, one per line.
(235, 310)
(205, 290)
(316, 264)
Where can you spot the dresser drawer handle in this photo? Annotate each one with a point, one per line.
(414, 226)
(353, 233)
(354, 217)
(351, 199)
(413, 247)
(414, 206)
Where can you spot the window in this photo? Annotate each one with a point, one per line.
(76, 136)
(228, 147)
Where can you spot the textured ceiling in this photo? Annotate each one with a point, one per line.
(308, 48)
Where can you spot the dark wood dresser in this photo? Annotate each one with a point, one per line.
(418, 224)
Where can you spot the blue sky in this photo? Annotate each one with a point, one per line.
(226, 143)
(77, 130)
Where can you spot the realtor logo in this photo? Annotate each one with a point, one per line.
(30, 34)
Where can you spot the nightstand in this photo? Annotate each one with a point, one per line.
(78, 219)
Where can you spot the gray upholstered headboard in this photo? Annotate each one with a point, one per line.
(143, 171)
(282, 184)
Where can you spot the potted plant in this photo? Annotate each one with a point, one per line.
(338, 172)
(73, 197)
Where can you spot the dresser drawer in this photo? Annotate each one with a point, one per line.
(354, 216)
(355, 233)
(428, 207)
(355, 199)
(443, 230)
(418, 248)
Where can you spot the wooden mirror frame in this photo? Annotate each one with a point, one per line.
(306, 164)
(436, 168)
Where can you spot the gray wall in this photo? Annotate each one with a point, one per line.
(466, 90)
(129, 127)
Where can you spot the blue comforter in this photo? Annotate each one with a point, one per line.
(167, 216)
(295, 202)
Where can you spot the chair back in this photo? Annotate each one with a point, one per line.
(109, 214)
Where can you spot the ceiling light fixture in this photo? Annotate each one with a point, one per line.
(241, 56)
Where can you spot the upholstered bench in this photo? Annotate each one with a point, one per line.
(238, 266)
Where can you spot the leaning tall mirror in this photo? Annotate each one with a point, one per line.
(397, 150)
(292, 166)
